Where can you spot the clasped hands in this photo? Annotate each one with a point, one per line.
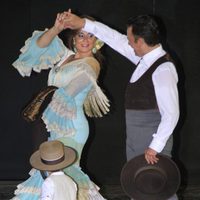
(67, 20)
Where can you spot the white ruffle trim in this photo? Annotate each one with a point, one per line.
(25, 68)
(57, 129)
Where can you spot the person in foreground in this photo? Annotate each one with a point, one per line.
(52, 157)
(74, 71)
(151, 100)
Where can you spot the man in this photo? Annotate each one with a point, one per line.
(151, 100)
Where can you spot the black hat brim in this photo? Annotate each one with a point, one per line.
(143, 181)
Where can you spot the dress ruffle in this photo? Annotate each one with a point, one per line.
(34, 58)
(59, 114)
(31, 188)
(87, 190)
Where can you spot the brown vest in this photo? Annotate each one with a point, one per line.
(140, 95)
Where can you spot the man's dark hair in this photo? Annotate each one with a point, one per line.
(146, 27)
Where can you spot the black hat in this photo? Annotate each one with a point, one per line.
(143, 181)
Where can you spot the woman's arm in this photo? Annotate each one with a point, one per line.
(46, 38)
(42, 50)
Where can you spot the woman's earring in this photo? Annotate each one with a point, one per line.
(74, 46)
(98, 44)
(94, 50)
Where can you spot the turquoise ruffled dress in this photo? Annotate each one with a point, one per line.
(77, 94)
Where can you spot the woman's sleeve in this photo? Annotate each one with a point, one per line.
(61, 111)
(34, 58)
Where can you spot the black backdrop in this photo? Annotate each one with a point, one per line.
(104, 154)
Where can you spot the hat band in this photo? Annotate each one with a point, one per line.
(53, 162)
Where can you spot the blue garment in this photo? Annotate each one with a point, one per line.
(64, 117)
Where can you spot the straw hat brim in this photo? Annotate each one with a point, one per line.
(141, 180)
(70, 157)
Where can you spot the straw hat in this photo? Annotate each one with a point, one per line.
(143, 181)
(52, 156)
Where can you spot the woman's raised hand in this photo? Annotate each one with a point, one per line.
(72, 21)
(59, 24)
(69, 20)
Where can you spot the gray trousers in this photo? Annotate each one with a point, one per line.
(140, 126)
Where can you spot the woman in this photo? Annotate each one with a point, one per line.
(75, 74)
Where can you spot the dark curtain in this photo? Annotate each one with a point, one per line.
(104, 153)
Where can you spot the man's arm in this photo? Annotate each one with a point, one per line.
(165, 83)
(111, 37)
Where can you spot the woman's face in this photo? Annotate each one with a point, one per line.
(84, 42)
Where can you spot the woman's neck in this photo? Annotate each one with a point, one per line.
(82, 55)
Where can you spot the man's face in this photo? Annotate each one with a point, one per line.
(135, 43)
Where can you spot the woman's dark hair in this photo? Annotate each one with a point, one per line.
(98, 55)
(146, 27)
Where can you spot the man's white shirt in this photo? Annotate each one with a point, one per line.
(164, 78)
